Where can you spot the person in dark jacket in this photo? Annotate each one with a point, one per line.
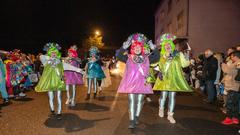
(210, 67)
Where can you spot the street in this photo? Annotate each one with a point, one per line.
(108, 115)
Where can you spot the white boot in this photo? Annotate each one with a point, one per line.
(73, 103)
(161, 113)
(149, 99)
(22, 94)
(170, 117)
(68, 101)
(100, 90)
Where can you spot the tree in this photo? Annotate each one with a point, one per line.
(93, 40)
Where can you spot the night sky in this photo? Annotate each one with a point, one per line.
(29, 24)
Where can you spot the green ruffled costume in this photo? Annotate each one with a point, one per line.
(173, 78)
(51, 79)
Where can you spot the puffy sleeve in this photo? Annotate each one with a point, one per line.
(184, 60)
(44, 59)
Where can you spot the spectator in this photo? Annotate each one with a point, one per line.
(199, 73)
(232, 87)
(210, 67)
(228, 61)
(229, 51)
(219, 58)
(38, 66)
(238, 47)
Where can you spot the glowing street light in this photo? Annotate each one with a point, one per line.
(97, 32)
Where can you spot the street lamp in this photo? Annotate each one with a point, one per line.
(97, 33)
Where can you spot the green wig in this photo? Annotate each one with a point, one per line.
(52, 47)
(163, 50)
(164, 39)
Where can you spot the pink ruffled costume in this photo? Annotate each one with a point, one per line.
(134, 78)
(73, 77)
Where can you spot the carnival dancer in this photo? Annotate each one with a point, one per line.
(93, 71)
(100, 80)
(170, 78)
(231, 84)
(3, 82)
(106, 82)
(134, 81)
(8, 62)
(72, 78)
(18, 74)
(52, 79)
(14, 74)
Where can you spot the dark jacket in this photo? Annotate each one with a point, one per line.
(210, 66)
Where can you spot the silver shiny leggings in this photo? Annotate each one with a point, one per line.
(73, 92)
(135, 105)
(171, 100)
(51, 102)
(90, 80)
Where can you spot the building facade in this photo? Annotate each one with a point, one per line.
(206, 24)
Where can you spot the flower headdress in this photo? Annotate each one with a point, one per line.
(164, 39)
(52, 47)
(137, 39)
(73, 51)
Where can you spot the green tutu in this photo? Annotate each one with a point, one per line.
(51, 79)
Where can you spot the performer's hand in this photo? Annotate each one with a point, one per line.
(189, 48)
(160, 75)
(126, 44)
(151, 45)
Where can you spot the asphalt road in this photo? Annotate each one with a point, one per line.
(108, 115)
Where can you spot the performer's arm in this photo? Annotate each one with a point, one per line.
(86, 69)
(155, 56)
(184, 59)
(122, 55)
(70, 67)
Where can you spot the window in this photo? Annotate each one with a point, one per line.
(180, 21)
(169, 28)
(162, 15)
(169, 6)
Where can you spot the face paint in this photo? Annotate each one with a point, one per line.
(168, 47)
(137, 50)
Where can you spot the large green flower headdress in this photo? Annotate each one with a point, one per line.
(52, 47)
(164, 39)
